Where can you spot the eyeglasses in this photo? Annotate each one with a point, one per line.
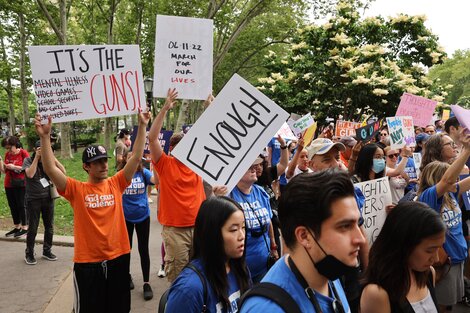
(394, 155)
(450, 143)
(384, 134)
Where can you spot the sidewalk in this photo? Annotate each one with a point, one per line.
(47, 287)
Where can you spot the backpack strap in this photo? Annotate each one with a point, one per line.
(204, 285)
(274, 293)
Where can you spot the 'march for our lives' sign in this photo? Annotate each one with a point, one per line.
(230, 134)
(74, 83)
(378, 195)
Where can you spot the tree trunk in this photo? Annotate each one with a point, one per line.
(182, 115)
(24, 88)
(8, 89)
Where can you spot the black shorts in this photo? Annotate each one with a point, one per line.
(103, 286)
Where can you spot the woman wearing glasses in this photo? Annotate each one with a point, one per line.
(396, 171)
(439, 147)
(400, 277)
(260, 243)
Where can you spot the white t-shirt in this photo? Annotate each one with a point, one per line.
(397, 186)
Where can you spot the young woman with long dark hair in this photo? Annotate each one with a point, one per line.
(219, 256)
(370, 164)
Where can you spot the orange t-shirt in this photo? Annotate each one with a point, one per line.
(181, 192)
(99, 225)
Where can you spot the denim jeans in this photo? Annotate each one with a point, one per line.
(35, 208)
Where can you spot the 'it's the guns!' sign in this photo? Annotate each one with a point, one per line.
(83, 82)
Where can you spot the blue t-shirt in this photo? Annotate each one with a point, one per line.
(257, 202)
(281, 275)
(275, 151)
(186, 293)
(455, 244)
(134, 198)
(410, 169)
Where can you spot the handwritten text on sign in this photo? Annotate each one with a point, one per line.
(378, 196)
(419, 108)
(300, 125)
(345, 128)
(230, 134)
(401, 131)
(82, 82)
(183, 57)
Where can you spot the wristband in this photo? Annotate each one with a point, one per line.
(283, 147)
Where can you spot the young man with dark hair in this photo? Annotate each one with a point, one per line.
(102, 249)
(319, 223)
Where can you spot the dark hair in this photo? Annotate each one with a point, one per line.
(123, 132)
(175, 139)
(451, 122)
(208, 246)
(365, 162)
(407, 225)
(433, 151)
(307, 198)
(11, 141)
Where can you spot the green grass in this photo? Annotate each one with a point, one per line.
(63, 214)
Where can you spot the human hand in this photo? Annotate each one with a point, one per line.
(38, 153)
(281, 140)
(357, 148)
(389, 208)
(171, 96)
(219, 190)
(406, 152)
(144, 118)
(43, 130)
(464, 137)
(209, 100)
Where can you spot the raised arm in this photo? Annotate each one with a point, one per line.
(31, 170)
(48, 160)
(449, 178)
(354, 154)
(284, 161)
(405, 155)
(138, 149)
(156, 150)
(295, 159)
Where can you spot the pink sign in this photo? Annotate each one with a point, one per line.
(462, 115)
(421, 109)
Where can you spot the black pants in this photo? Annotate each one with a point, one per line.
(34, 209)
(15, 197)
(143, 232)
(102, 287)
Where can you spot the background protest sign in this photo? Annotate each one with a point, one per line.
(346, 128)
(183, 57)
(163, 137)
(466, 195)
(462, 115)
(230, 134)
(300, 125)
(285, 132)
(401, 131)
(419, 108)
(417, 160)
(378, 196)
(309, 134)
(366, 132)
(445, 114)
(75, 83)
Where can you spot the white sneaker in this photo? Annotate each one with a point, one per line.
(150, 200)
(161, 272)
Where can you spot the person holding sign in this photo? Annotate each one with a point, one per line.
(396, 172)
(102, 249)
(400, 277)
(181, 195)
(319, 222)
(299, 163)
(440, 189)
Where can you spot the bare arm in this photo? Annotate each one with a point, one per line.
(156, 150)
(295, 159)
(374, 299)
(48, 160)
(31, 170)
(284, 161)
(138, 150)
(2, 165)
(270, 154)
(405, 155)
(60, 166)
(353, 158)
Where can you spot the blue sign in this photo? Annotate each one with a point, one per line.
(163, 137)
(466, 195)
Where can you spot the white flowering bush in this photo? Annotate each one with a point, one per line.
(352, 66)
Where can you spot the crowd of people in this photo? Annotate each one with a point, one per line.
(289, 237)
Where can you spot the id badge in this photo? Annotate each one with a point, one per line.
(44, 182)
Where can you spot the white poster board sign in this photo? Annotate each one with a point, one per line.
(401, 131)
(230, 134)
(285, 132)
(378, 196)
(183, 57)
(74, 83)
(300, 125)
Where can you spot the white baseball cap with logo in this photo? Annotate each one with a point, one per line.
(322, 146)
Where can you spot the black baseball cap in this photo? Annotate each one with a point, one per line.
(37, 144)
(93, 153)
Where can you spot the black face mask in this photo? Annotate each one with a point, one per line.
(330, 266)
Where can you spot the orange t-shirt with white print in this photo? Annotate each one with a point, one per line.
(99, 225)
(181, 192)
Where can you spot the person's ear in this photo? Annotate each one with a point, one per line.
(302, 235)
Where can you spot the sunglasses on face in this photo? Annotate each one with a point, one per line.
(384, 134)
(394, 155)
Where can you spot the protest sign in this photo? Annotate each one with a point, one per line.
(417, 160)
(75, 83)
(466, 195)
(345, 128)
(377, 196)
(163, 137)
(230, 134)
(445, 114)
(300, 125)
(419, 108)
(183, 57)
(401, 131)
(365, 133)
(286, 132)
(462, 115)
(309, 134)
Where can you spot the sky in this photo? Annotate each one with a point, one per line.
(448, 19)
